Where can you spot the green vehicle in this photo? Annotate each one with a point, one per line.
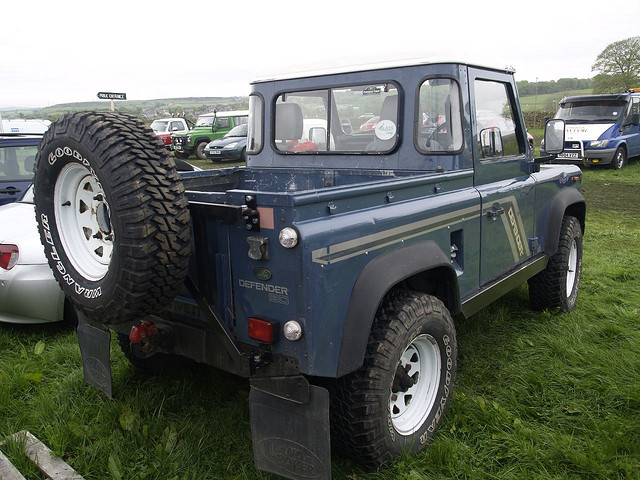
(209, 127)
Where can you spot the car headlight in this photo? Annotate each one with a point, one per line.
(231, 145)
(599, 143)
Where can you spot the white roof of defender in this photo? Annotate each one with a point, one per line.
(299, 71)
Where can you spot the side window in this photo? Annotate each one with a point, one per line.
(222, 122)
(495, 121)
(240, 121)
(176, 126)
(439, 125)
(254, 129)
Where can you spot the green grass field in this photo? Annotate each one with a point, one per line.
(538, 396)
(548, 101)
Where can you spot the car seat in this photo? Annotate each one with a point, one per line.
(389, 112)
(29, 163)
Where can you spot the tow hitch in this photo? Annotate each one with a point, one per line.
(148, 339)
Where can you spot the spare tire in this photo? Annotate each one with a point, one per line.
(112, 215)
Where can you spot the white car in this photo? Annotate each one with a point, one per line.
(28, 291)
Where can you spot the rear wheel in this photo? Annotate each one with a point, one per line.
(558, 284)
(396, 400)
(112, 215)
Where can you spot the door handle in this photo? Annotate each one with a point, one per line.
(494, 212)
(12, 190)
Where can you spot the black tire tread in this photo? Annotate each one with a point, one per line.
(547, 289)
(147, 196)
(356, 398)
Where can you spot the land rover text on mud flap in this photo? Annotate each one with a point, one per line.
(601, 129)
(329, 269)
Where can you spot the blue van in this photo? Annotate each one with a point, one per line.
(601, 129)
(17, 158)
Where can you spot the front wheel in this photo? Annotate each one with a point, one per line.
(558, 284)
(395, 402)
(619, 159)
(200, 150)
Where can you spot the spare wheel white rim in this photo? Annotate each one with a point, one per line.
(84, 224)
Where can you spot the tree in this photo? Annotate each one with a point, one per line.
(619, 67)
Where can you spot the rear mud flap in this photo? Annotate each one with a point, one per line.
(291, 439)
(94, 344)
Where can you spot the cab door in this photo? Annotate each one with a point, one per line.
(501, 158)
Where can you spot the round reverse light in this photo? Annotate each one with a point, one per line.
(288, 237)
(292, 330)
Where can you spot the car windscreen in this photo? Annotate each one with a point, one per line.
(159, 126)
(205, 121)
(591, 111)
(16, 163)
(239, 131)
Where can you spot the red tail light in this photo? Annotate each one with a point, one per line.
(260, 330)
(8, 256)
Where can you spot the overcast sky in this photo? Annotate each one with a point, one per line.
(62, 51)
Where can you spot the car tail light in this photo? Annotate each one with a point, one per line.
(8, 256)
(260, 330)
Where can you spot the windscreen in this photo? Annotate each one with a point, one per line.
(591, 111)
(159, 126)
(204, 121)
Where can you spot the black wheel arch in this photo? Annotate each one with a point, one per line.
(567, 202)
(421, 266)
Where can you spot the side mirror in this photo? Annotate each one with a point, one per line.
(554, 137)
(635, 119)
(491, 142)
(318, 135)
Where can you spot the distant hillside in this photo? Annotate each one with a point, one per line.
(145, 109)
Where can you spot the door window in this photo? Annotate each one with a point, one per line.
(497, 135)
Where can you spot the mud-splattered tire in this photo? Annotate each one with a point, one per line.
(395, 402)
(556, 287)
(112, 215)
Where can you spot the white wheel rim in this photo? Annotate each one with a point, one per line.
(83, 218)
(572, 267)
(409, 408)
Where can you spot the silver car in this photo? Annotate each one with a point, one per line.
(28, 291)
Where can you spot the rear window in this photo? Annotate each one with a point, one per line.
(355, 119)
(16, 163)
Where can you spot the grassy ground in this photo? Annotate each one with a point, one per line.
(539, 396)
(548, 101)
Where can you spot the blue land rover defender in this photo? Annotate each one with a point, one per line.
(330, 269)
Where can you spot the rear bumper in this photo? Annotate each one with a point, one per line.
(30, 294)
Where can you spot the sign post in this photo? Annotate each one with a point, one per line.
(112, 96)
